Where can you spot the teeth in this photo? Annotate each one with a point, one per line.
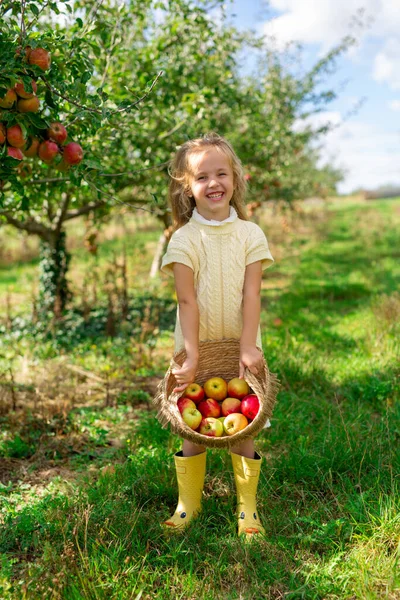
(215, 195)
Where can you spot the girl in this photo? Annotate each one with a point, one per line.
(216, 257)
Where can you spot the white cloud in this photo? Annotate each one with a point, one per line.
(324, 22)
(394, 105)
(369, 155)
(387, 64)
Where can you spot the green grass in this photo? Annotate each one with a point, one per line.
(329, 488)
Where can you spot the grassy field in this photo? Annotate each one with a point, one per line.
(86, 472)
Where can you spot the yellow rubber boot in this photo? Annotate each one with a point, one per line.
(190, 473)
(247, 473)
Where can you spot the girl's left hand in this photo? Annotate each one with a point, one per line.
(186, 374)
(252, 358)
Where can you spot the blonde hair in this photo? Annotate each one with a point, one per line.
(179, 187)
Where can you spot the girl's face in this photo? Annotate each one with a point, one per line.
(211, 183)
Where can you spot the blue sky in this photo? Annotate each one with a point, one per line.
(366, 144)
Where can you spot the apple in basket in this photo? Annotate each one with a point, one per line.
(238, 388)
(216, 388)
(234, 423)
(250, 406)
(230, 405)
(211, 427)
(192, 417)
(209, 408)
(195, 392)
(185, 403)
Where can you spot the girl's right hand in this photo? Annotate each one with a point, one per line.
(185, 374)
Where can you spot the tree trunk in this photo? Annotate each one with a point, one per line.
(156, 264)
(53, 286)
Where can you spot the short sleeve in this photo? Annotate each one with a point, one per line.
(257, 248)
(177, 251)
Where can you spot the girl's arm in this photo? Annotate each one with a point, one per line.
(189, 320)
(250, 356)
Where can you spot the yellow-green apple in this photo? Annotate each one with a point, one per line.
(57, 133)
(31, 147)
(209, 408)
(72, 154)
(15, 136)
(39, 57)
(185, 403)
(222, 419)
(238, 388)
(47, 151)
(250, 406)
(230, 405)
(192, 417)
(3, 133)
(15, 153)
(21, 91)
(28, 105)
(8, 100)
(216, 388)
(195, 392)
(211, 427)
(234, 423)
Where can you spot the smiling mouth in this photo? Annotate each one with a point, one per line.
(215, 195)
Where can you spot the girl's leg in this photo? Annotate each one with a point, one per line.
(190, 466)
(246, 468)
(190, 449)
(246, 449)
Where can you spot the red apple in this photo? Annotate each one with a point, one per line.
(22, 93)
(15, 153)
(238, 388)
(209, 408)
(47, 151)
(3, 133)
(185, 403)
(230, 405)
(8, 100)
(195, 392)
(57, 133)
(234, 423)
(15, 136)
(39, 57)
(73, 153)
(31, 147)
(211, 427)
(216, 388)
(192, 417)
(250, 406)
(27, 105)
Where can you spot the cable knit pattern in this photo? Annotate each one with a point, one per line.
(218, 257)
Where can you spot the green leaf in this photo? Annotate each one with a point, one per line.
(34, 9)
(86, 76)
(25, 203)
(79, 22)
(49, 99)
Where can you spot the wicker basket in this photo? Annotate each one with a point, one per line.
(217, 358)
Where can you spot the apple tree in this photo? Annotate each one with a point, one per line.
(52, 107)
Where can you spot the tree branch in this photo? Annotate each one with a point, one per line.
(84, 210)
(31, 226)
(94, 110)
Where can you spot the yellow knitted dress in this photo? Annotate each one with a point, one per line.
(218, 256)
